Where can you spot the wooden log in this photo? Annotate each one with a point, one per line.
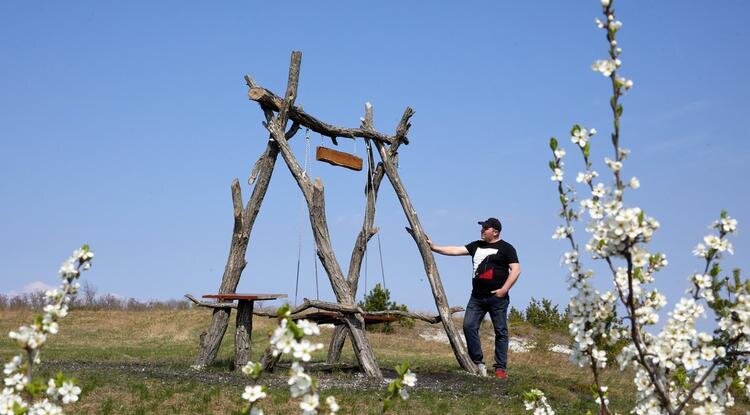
(269, 100)
(372, 186)
(338, 158)
(313, 194)
(243, 225)
(438, 292)
(243, 333)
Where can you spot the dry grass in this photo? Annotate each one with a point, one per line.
(170, 337)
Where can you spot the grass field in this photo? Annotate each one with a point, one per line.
(138, 362)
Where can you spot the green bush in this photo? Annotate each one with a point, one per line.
(379, 299)
(544, 315)
(515, 316)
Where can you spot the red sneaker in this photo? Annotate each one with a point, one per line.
(500, 374)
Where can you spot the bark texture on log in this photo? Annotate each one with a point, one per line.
(269, 100)
(243, 333)
(243, 224)
(314, 197)
(374, 178)
(441, 301)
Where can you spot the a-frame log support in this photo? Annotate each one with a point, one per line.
(314, 197)
(210, 340)
(278, 112)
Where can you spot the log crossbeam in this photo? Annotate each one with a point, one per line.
(269, 101)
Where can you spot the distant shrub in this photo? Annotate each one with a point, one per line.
(379, 299)
(515, 316)
(91, 301)
(542, 314)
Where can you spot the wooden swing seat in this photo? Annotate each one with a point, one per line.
(338, 158)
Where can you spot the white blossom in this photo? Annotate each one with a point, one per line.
(309, 404)
(410, 379)
(604, 66)
(333, 406)
(308, 327)
(253, 393)
(303, 350)
(557, 175)
(634, 183)
(13, 365)
(69, 392)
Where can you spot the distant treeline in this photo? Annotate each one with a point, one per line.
(88, 298)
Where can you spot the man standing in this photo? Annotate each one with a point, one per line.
(496, 269)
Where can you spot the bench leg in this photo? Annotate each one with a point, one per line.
(243, 333)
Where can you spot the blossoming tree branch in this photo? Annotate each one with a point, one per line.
(677, 368)
(22, 393)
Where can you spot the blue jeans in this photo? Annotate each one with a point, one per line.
(477, 308)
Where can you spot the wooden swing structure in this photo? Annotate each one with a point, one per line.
(350, 318)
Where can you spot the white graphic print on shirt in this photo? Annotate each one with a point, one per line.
(480, 255)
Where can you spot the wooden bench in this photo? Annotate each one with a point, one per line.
(243, 332)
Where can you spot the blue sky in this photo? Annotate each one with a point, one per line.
(122, 125)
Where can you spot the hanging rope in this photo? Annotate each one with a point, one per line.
(302, 218)
(382, 269)
(371, 180)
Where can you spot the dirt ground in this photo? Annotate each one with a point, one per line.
(338, 377)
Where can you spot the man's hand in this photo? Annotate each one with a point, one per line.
(410, 231)
(500, 292)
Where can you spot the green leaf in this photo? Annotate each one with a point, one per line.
(618, 111)
(387, 404)
(296, 331)
(723, 214)
(553, 143)
(638, 274)
(552, 165)
(576, 129)
(402, 368)
(587, 149)
(680, 376)
(281, 312)
(18, 409)
(715, 270)
(736, 275)
(36, 388)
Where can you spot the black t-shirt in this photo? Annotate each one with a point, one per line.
(491, 262)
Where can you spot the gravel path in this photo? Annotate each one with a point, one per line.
(342, 377)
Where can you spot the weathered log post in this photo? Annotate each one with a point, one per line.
(314, 197)
(374, 178)
(441, 301)
(210, 340)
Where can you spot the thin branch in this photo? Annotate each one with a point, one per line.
(210, 304)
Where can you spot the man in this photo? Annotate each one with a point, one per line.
(496, 269)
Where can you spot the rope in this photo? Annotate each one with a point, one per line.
(382, 269)
(302, 211)
(372, 186)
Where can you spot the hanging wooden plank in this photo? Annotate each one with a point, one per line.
(338, 158)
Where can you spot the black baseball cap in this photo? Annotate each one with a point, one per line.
(492, 223)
